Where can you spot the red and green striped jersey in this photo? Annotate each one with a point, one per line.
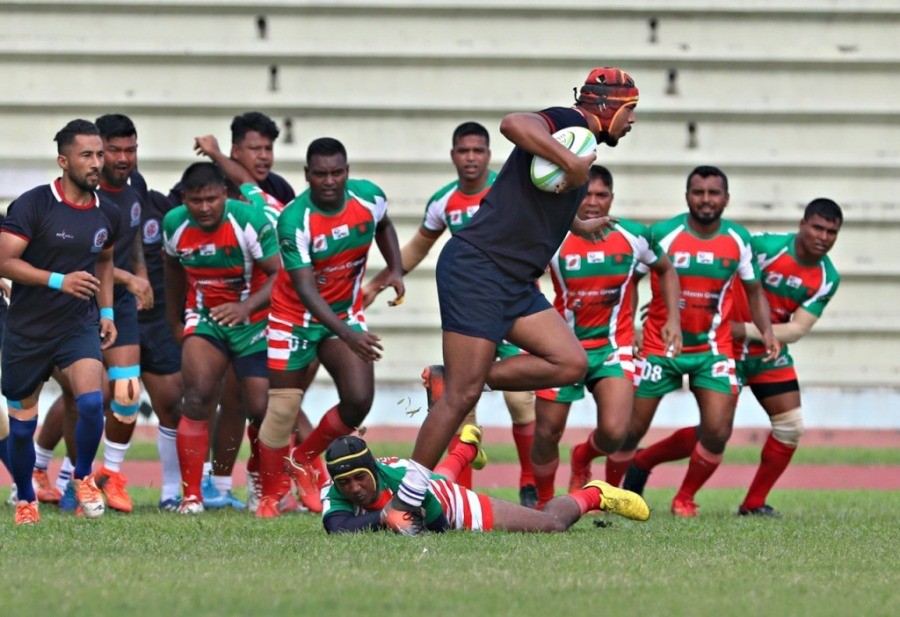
(270, 205)
(788, 283)
(706, 267)
(593, 282)
(220, 264)
(334, 244)
(451, 208)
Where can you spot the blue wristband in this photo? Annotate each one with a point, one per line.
(56, 280)
(107, 313)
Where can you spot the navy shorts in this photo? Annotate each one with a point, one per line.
(28, 362)
(251, 365)
(479, 299)
(125, 307)
(160, 354)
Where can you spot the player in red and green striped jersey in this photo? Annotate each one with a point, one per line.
(317, 312)
(710, 254)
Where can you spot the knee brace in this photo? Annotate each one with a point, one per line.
(520, 406)
(281, 412)
(787, 427)
(17, 411)
(4, 424)
(126, 392)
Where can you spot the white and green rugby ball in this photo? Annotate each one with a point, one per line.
(548, 176)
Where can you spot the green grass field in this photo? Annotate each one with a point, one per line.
(832, 553)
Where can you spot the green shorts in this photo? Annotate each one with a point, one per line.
(753, 370)
(241, 340)
(293, 347)
(606, 361)
(507, 350)
(659, 375)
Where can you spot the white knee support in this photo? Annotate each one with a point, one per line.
(787, 427)
(520, 406)
(4, 423)
(281, 413)
(126, 392)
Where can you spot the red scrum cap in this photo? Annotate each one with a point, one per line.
(605, 91)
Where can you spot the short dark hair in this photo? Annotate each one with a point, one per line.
(707, 171)
(602, 173)
(253, 121)
(116, 125)
(66, 135)
(824, 207)
(200, 175)
(325, 146)
(471, 128)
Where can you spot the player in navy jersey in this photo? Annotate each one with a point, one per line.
(487, 277)
(4, 417)
(57, 248)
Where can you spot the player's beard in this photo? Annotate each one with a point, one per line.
(706, 220)
(88, 186)
(609, 140)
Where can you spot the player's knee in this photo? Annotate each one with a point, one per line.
(787, 427)
(90, 406)
(126, 388)
(21, 411)
(548, 432)
(281, 413)
(574, 367)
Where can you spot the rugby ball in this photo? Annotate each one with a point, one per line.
(548, 176)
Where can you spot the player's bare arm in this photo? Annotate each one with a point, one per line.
(105, 275)
(791, 332)
(530, 131)
(670, 290)
(140, 285)
(411, 254)
(234, 313)
(388, 245)
(234, 171)
(760, 312)
(593, 229)
(364, 344)
(82, 285)
(176, 290)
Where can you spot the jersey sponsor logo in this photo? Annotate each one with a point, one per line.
(681, 259)
(341, 231)
(456, 217)
(136, 214)
(207, 249)
(100, 238)
(781, 361)
(596, 257)
(64, 235)
(151, 231)
(794, 281)
(320, 243)
(705, 257)
(573, 262)
(471, 210)
(773, 279)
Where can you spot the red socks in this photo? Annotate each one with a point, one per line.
(545, 479)
(617, 465)
(330, 427)
(455, 466)
(703, 464)
(192, 442)
(584, 453)
(587, 498)
(523, 435)
(775, 458)
(271, 470)
(675, 447)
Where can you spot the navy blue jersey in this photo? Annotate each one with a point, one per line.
(130, 205)
(155, 209)
(62, 237)
(140, 185)
(518, 226)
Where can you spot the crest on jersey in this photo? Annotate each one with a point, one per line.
(705, 257)
(100, 238)
(681, 259)
(720, 369)
(341, 231)
(320, 243)
(596, 257)
(573, 262)
(794, 281)
(136, 214)
(781, 361)
(471, 210)
(773, 279)
(151, 231)
(455, 217)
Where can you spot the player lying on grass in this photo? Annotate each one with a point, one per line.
(363, 485)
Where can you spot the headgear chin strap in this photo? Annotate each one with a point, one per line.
(348, 455)
(606, 91)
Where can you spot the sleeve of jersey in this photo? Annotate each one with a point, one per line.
(562, 117)
(341, 521)
(20, 219)
(117, 229)
(817, 303)
(262, 234)
(434, 214)
(647, 250)
(371, 194)
(748, 269)
(170, 226)
(293, 238)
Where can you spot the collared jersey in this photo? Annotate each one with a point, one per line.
(788, 283)
(594, 282)
(451, 208)
(334, 244)
(220, 264)
(518, 226)
(62, 237)
(706, 268)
